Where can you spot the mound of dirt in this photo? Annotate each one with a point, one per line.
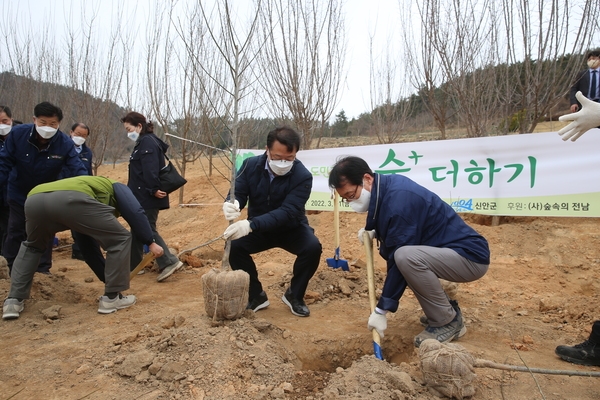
(542, 290)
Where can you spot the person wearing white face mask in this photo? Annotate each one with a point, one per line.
(422, 239)
(276, 187)
(34, 154)
(145, 163)
(587, 81)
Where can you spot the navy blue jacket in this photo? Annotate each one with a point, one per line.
(86, 158)
(145, 163)
(404, 213)
(23, 165)
(3, 200)
(273, 205)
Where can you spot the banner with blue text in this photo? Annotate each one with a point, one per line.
(519, 175)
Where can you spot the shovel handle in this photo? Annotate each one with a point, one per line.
(336, 220)
(145, 261)
(371, 284)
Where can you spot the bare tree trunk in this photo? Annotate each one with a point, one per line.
(302, 61)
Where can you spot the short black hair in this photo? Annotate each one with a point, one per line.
(593, 53)
(350, 169)
(80, 125)
(6, 110)
(46, 109)
(286, 136)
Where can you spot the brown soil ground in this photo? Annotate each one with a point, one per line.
(541, 290)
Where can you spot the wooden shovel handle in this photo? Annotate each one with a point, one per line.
(145, 261)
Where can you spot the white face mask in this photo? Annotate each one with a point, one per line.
(4, 129)
(361, 204)
(593, 64)
(280, 167)
(46, 131)
(78, 140)
(133, 135)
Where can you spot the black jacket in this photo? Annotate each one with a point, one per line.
(86, 158)
(145, 163)
(273, 205)
(582, 83)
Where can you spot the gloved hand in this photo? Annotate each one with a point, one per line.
(231, 210)
(377, 322)
(583, 120)
(360, 235)
(237, 230)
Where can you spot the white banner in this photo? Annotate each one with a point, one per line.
(527, 175)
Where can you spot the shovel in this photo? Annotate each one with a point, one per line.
(336, 262)
(371, 283)
(145, 261)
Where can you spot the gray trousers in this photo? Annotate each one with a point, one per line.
(48, 213)
(422, 266)
(137, 246)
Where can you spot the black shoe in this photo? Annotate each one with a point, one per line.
(298, 307)
(258, 303)
(76, 255)
(586, 353)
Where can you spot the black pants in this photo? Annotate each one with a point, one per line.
(90, 250)
(4, 213)
(16, 234)
(300, 241)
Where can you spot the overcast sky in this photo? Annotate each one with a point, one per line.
(378, 18)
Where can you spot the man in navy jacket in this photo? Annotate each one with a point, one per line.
(34, 154)
(587, 81)
(276, 187)
(421, 237)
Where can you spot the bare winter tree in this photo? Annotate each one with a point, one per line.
(96, 75)
(174, 89)
(422, 61)
(544, 39)
(223, 71)
(303, 60)
(390, 101)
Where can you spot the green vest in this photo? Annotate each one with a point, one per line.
(97, 187)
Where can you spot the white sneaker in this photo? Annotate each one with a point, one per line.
(108, 306)
(12, 308)
(168, 271)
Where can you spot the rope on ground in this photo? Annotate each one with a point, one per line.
(197, 247)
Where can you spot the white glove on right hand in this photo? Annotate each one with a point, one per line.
(377, 322)
(231, 210)
(360, 235)
(583, 120)
(237, 230)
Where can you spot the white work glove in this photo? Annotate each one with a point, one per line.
(583, 120)
(377, 322)
(360, 235)
(231, 210)
(237, 230)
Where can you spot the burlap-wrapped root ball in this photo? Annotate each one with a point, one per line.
(451, 288)
(447, 368)
(3, 268)
(225, 293)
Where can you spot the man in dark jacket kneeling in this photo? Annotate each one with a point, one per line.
(276, 187)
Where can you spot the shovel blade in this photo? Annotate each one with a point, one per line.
(336, 262)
